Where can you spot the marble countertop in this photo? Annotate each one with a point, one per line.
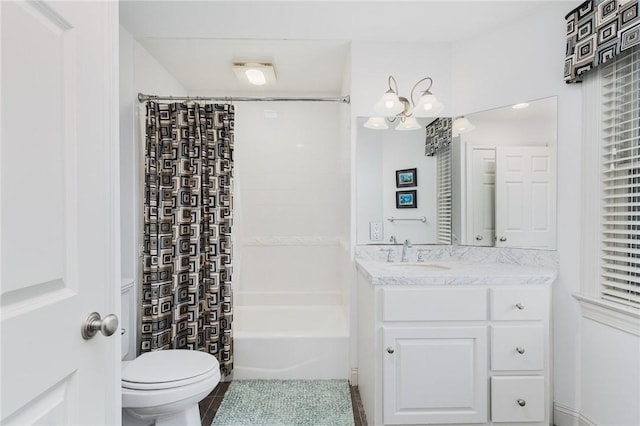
(453, 272)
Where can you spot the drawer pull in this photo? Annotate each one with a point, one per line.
(520, 306)
(390, 349)
(520, 350)
(522, 402)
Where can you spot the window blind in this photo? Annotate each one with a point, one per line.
(444, 195)
(620, 177)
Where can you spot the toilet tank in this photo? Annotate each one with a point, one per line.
(127, 321)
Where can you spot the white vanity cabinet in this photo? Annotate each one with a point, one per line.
(520, 348)
(439, 354)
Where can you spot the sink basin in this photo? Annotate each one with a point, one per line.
(419, 266)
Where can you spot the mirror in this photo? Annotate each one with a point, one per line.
(503, 189)
(396, 186)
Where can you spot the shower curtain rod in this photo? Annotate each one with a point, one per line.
(142, 98)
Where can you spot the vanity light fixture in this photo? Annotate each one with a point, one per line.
(408, 123)
(461, 125)
(256, 73)
(391, 106)
(376, 123)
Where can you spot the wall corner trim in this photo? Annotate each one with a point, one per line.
(567, 416)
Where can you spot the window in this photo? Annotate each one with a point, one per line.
(620, 177)
(610, 257)
(444, 194)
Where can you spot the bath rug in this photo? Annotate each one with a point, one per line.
(286, 403)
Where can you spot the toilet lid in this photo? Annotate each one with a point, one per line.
(167, 368)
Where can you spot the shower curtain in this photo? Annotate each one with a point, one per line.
(186, 277)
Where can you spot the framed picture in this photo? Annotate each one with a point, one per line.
(406, 199)
(406, 177)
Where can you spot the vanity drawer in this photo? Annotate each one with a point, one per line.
(434, 304)
(517, 347)
(519, 303)
(517, 399)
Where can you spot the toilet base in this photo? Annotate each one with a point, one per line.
(130, 420)
(188, 417)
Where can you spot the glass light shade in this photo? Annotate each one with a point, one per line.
(255, 76)
(428, 106)
(408, 123)
(376, 123)
(389, 105)
(255, 73)
(462, 125)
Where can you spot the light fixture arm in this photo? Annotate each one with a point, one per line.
(391, 106)
(395, 83)
(413, 102)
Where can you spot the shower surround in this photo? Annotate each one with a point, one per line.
(291, 291)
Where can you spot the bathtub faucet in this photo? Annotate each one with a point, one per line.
(405, 246)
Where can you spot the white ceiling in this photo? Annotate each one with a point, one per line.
(203, 66)
(196, 41)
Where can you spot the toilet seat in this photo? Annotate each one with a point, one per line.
(168, 369)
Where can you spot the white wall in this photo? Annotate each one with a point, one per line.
(521, 62)
(372, 63)
(292, 207)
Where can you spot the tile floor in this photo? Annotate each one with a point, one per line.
(209, 406)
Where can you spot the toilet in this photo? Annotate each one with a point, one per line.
(163, 388)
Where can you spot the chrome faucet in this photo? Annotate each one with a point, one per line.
(405, 246)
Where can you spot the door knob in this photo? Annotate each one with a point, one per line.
(390, 349)
(93, 323)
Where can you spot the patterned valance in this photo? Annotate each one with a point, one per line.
(438, 135)
(597, 31)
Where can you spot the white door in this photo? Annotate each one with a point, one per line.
(481, 196)
(60, 242)
(435, 375)
(525, 197)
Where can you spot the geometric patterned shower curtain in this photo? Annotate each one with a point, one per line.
(186, 285)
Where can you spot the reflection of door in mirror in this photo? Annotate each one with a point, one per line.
(511, 196)
(481, 195)
(525, 197)
(507, 177)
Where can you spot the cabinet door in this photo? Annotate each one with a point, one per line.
(435, 375)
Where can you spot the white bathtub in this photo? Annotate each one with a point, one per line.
(290, 342)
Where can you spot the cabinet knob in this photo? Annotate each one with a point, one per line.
(520, 350)
(520, 306)
(390, 349)
(503, 239)
(522, 402)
